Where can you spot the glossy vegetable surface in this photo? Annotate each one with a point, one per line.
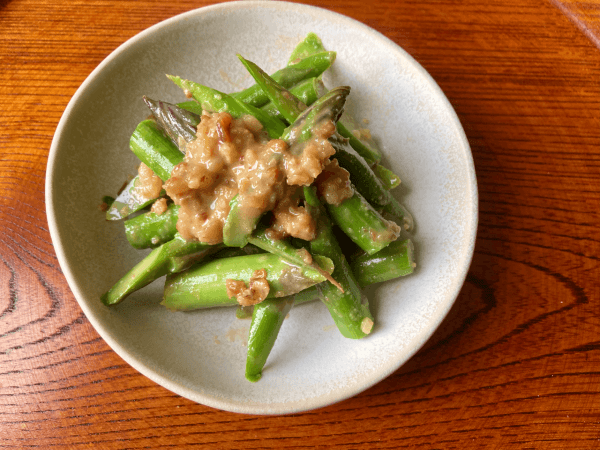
(204, 286)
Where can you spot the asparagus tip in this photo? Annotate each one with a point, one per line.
(175, 79)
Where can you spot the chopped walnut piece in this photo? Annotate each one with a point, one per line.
(159, 206)
(290, 219)
(295, 221)
(305, 160)
(256, 292)
(149, 184)
(333, 184)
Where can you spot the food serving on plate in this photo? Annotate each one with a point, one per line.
(250, 196)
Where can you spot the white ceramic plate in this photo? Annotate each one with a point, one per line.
(201, 355)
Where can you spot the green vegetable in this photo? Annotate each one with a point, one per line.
(297, 256)
(309, 46)
(311, 66)
(244, 312)
(355, 216)
(173, 256)
(230, 252)
(363, 177)
(213, 100)
(395, 260)
(369, 153)
(306, 91)
(364, 146)
(361, 223)
(399, 214)
(192, 106)
(267, 319)
(310, 294)
(287, 104)
(388, 178)
(150, 145)
(150, 230)
(294, 96)
(154, 149)
(347, 309)
(327, 108)
(369, 184)
(204, 286)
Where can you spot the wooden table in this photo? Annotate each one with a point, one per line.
(516, 364)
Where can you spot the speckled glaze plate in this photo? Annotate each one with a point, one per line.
(201, 355)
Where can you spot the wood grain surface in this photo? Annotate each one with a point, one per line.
(515, 365)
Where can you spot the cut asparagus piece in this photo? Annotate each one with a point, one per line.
(173, 256)
(213, 100)
(363, 224)
(349, 310)
(311, 66)
(205, 285)
(150, 230)
(267, 318)
(154, 149)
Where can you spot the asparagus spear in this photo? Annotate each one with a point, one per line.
(230, 252)
(298, 256)
(311, 66)
(309, 46)
(154, 149)
(356, 217)
(364, 146)
(305, 91)
(389, 179)
(149, 230)
(370, 153)
(327, 108)
(267, 318)
(395, 260)
(363, 224)
(351, 316)
(204, 286)
(239, 224)
(213, 100)
(369, 184)
(288, 105)
(173, 256)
